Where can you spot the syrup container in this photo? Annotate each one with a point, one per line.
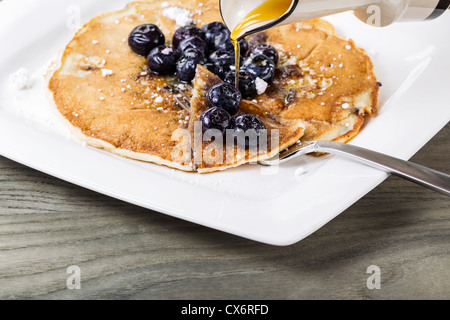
(245, 17)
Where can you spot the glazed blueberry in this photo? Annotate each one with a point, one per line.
(193, 42)
(222, 41)
(222, 58)
(215, 118)
(260, 66)
(217, 70)
(211, 30)
(186, 32)
(243, 45)
(247, 85)
(187, 64)
(144, 38)
(163, 60)
(195, 54)
(248, 130)
(225, 96)
(186, 69)
(265, 49)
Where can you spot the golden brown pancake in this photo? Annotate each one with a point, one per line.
(107, 95)
(126, 112)
(323, 79)
(281, 133)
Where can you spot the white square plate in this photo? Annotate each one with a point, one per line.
(411, 60)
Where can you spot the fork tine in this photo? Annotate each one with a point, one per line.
(183, 104)
(293, 152)
(185, 95)
(181, 97)
(188, 86)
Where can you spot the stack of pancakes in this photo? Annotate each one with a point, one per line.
(324, 89)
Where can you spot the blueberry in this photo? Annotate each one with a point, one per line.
(247, 85)
(225, 96)
(195, 54)
(144, 38)
(215, 118)
(243, 45)
(211, 30)
(217, 70)
(163, 60)
(186, 32)
(222, 58)
(248, 130)
(222, 41)
(187, 64)
(265, 49)
(260, 66)
(186, 69)
(193, 42)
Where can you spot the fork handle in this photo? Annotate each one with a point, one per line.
(421, 175)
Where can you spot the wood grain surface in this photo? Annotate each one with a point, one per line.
(126, 252)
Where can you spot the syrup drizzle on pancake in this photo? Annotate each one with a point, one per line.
(269, 10)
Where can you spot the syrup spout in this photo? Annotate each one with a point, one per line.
(244, 18)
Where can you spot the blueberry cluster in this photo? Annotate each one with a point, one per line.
(224, 101)
(209, 46)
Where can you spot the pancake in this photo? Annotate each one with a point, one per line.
(217, 156)
(104, 91)
(106, 94)
(323, 79)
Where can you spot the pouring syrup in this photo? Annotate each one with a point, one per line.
(250, 16)
(268, 10)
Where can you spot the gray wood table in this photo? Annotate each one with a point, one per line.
(126, 252)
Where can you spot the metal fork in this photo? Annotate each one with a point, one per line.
(413, 172)
(421, 175)
(182, 97)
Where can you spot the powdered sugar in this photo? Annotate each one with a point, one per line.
(20, 79)
(107, 72)
(261, 85)
(181, 16)
(32, 104)
(167, 51)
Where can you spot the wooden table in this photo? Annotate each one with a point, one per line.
(123, 251)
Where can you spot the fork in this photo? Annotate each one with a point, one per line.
(181, 96)
(413, 172)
